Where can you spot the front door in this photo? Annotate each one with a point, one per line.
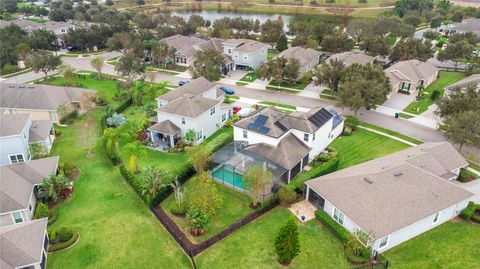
(315, 199)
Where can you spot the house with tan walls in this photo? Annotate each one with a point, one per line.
(43, 102)
(407, 76)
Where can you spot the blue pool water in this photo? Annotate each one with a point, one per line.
(226, 175)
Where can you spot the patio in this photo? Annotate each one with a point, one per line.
(303, 210)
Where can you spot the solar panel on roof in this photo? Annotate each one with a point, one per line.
(320, 117)
(258, 124)
(264, 129)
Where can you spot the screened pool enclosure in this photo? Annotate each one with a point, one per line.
(232, 161)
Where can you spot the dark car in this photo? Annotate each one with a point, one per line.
(227, 90)
(72, 48)
(182, 82)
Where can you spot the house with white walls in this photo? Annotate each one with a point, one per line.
(194, 107)
(396, 197)
(18, 132)
(245, 53)
(288, 140)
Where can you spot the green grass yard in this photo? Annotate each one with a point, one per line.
(363, 146)
(279, 105)
(116, 229)
(252, 246)
(235, 205)
(300, 84)
(451, 245)
(390, 132)
(445, 78)
(271, 54)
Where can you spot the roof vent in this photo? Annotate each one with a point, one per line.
(435, 194)
(11, 86)
(397, 174)
(34, 126)
(368, 180)
(21, 87)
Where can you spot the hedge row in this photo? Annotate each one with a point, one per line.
(122, 106)
(64, 245)
(298, 183)
(469, 212)
(338, 230)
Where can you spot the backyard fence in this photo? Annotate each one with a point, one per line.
(194, 249)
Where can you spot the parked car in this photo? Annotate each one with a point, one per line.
(73, 48)
(227, 90)
(236, 109)
(183, 82)
(245, 112)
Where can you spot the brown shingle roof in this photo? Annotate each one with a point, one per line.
(411, 70)
(165, 127)
(407, 187)
(22, 244)
(194, 87)
(348, 58)
(189, 105)
(304, 56)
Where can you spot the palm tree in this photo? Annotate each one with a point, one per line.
(111, 139)
(152, 181)
(136, 149)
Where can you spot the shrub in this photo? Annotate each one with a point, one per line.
(468, 212)
(355, 259)
(325, 168)
(58, 133)
(231, 121)
(67, 169)
(52, 218)
(324, 157)
(121, 107)
(99, 100)
(198, 222)
(63, 245)
(69, 118)
(287, 242)
(65, 234)
(286, 196)
(298, 183)
(115, 158)
(272, 200)
(435, 95)
(41, 211)
(340, 232)
(476, 218)
(352, 122)
(52, 235)
(347, 131)
(8, 68)
(179, 210)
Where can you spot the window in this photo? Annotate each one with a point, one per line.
(199, 135)
(245, 134)
(313, 137)
(13, 111)
(183, 120)
(405, 86)
(24, 135)
(229, 51)
(245, 57)
(17, 217)
(224, 117)
(30, 207)
(212, 111)
(338, 216)
(435, 219)
(16, 158)
(53, 115)
(383, 242)
(305, 137)
(236, 55)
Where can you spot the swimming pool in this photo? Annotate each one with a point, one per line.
(226, 175)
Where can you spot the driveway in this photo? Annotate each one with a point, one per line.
(473, 187)
(399, 100)
(311, 91)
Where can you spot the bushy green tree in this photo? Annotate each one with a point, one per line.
(330, 74)
(205, 196)
(207, 64)
(287, 242)
(282, 43)
(43, 61)
(256, 178)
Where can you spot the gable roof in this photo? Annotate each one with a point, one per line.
(303, 55)
(411, 70)
(278, 123)
(245, 45)
(17, 181)
(190, 106)
(39, 96)
(40, 130)
(22, 244)
(12, 124)
(407, 186)
(471, 25)
(181, 42)
(165, 127)
(289, 151)
(348, 58)
(194, 87)
(464, 83)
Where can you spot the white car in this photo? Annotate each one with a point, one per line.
(245, 112)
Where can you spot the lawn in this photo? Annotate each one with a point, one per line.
(235, 205)
(363, 146)
(37, 20)
(117, 230)
(249, 77)
(300, 84)
(271, 54)
(451, 245)
(445, 78)
(390, 132)
(280, 105)
(252, 246)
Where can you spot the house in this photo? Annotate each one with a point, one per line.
(308, 58)
(196, 106)
(24, 245)
(396, 197)
(288, 140)
(464, 83)
(348, 58)
(20, 187)
(466, 26)
(18, 132)
(245, 53)
(187, 46)
(43, 102)
(407, 76)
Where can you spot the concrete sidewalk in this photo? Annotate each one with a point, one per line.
(427, 122)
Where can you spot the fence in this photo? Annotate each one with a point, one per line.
(194, 249)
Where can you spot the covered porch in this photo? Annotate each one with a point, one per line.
(165, 135)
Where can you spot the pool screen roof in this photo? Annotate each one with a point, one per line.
(234, 155)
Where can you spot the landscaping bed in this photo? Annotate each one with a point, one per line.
(466, 176)
(62, 239)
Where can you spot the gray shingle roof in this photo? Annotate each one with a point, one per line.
(190, 106)
(464, 83)
(181, 42)
(194, 87)
(246, 45)
(17, 181)
(39, 96)
(12, 124)
(40, 130)
(471, 25)
(349, 58)
(165, 127)
(304, 56)
(411, 70)
(393, 202)
(289, 151)
(22, 244)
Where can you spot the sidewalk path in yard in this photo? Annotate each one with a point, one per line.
(473, 171)
(388, 135)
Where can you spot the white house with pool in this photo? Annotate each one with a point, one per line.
(396, 197)
(283, 143)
